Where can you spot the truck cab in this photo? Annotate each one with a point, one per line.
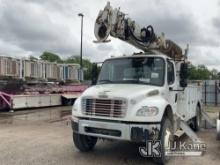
(135, 99)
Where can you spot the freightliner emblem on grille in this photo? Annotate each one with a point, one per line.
(103, 94)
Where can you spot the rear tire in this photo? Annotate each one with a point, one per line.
(197, 119)
(166, 137)
(84, 143)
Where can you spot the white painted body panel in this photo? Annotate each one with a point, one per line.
(188, 100)
(138, 93)
(32, 101)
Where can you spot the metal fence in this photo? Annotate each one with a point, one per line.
(211, 92)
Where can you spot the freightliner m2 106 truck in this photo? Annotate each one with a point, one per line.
(139, 97)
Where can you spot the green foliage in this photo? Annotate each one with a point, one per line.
(215, 74)
(51, 57)
(33, 58)
(201, 72)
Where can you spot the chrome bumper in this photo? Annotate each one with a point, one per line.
(114, 130)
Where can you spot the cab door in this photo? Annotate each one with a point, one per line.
(171, 85)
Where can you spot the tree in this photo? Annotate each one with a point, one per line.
(51, 57)
(201, 72)
(33, 58)
(214, 74)
(193, 74)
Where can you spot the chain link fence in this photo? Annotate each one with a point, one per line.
(211, 92)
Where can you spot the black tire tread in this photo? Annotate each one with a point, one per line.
(82, 143)
(165, 123)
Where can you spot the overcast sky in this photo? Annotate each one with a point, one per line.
(29, 27)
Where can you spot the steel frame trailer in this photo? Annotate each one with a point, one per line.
(14, 102)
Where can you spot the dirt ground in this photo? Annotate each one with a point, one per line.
(43, 137)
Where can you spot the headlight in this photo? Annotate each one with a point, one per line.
(75, 105)
(74, 108)
(147, 111)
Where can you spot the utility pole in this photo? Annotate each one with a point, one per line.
(81, 66)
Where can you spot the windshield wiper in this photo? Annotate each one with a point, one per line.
(130, 81)
(105, 81)
(134, 81)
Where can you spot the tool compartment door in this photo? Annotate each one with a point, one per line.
(187, 101)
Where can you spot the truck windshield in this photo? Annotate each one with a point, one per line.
(140, 70)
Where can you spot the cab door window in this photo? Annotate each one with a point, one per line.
(170, 73)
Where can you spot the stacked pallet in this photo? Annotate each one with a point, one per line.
(34, 69)
(69, 72)
(73, 72)
(37, 69)
(9, 67)
(52, 71)
(61, 72)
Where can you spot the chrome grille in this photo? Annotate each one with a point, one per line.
(104, 107)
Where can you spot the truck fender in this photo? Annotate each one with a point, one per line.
(163, 106)
(168, 113)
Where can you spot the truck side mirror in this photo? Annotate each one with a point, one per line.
(183, 74)
(94, 73)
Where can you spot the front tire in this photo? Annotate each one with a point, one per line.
(166, 137)
(84, 143)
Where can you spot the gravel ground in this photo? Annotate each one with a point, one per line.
(40, 137)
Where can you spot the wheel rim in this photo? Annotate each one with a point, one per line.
(198, 117)
(167, 139)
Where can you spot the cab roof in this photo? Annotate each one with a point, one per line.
(141, 55)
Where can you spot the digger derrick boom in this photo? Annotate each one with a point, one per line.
(113, 22)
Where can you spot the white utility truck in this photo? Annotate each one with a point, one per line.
(140, 97)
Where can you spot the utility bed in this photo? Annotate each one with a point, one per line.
(188, 100)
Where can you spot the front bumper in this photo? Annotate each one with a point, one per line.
(137, 132)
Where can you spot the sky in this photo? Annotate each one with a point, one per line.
(30, 27)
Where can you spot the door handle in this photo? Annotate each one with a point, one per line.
(175, 97)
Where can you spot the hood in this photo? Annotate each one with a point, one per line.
(127, 91)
